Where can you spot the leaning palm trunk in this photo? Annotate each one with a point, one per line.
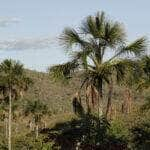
(9, 120)
(108, 108)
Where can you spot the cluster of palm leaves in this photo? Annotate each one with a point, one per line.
(12, 76)
(99, 49)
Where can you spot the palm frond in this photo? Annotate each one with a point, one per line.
(81, 57)
(143, 84)
(89, 27)
(100, 20)
(120, 68)
(114, 34)
(69, 38)
(145, 64)
(137, 48)
(63, 71)
(146, 105)
(99, 27)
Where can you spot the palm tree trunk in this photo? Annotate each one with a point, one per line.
(87, 99)
(9, 120)
(37, 131)
(108, 108)
(128, 101)
(100, 98)
(101, 88)
(126, 107)
(6, 127)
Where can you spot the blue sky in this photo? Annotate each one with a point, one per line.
(29, 28)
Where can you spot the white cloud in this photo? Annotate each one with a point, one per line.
(26, 43)
(6, 21)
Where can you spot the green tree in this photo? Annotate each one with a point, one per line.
(144, 64)
(135, 80)
(37, 108)
(89, 46)
(11, 74)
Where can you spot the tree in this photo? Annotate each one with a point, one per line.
(89, 46)
(144, 64)
(136, 79)
(12, 74)
(37, 108)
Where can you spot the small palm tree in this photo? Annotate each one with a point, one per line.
(11, 75)
(90, 45)
(37, 109)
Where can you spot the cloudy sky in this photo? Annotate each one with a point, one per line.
(29, 28)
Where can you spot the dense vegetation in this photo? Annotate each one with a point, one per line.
(92, 102)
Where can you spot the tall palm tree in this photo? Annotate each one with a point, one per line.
(90, 45)
(11, 75)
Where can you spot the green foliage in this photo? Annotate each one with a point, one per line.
(10, 72)
(35, 107)
(64, 71)
(145, 77)
(140, 136)
(136, 48)
(28, 142)
(13, 76)
(146, 105)
(86, 132)
(119, 130)
(3, 143)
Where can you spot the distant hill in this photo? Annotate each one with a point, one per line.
(55, 95)
(58, 96)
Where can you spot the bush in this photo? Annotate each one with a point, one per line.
(27, 142)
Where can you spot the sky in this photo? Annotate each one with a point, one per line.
(29, 29)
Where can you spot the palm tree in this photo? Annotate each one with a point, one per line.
(135, 79)
(89, 46)
(37, 108)
(11, 75)
(144, 64)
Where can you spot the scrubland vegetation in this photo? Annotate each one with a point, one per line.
(92, 102)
